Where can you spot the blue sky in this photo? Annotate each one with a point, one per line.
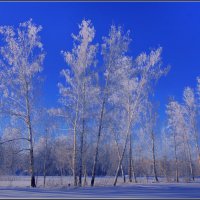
(174, 26)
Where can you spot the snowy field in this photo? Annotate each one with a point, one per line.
(18, 187)
(65, 181)
(190, 190)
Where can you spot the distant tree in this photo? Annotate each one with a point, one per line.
(149, 126)
(43, 151)
(165, 151)
(116, 129)
(191, 116)
(176, 126)
(195, 104)
(60, 154)
(11, 149)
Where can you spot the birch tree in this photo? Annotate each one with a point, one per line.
(150, 118)
(44, 149)
(172, 127)
(78, 91)
(177, 125)
(166, 150)
(114, 48)
(196, 112)
(22, 57)
(140, 81)
(191, 114)
(116, 128)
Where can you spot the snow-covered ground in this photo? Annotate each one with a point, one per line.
(139, 190)
(189, 190)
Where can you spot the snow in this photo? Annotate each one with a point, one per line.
(131, 190)
(190, 190)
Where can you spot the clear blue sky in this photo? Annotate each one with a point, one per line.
(174, 26)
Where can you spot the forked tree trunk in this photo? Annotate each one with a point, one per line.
(122, 156)
(122, 170)
(126, 140)
(130, 116)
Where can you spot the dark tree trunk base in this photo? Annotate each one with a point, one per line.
(33, 181)
(92, 182)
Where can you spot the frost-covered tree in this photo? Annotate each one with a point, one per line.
(150, 118)
(165, 150)
(146, 70)
(79, 91)
(116, 130)
(114, 48)
(197, 105)
(60, 154)
(191, 116)
(173, 127)
(21, 57)
(177, 124)
(11, 149)
(44, 149)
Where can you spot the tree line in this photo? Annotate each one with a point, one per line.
(107, 119)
